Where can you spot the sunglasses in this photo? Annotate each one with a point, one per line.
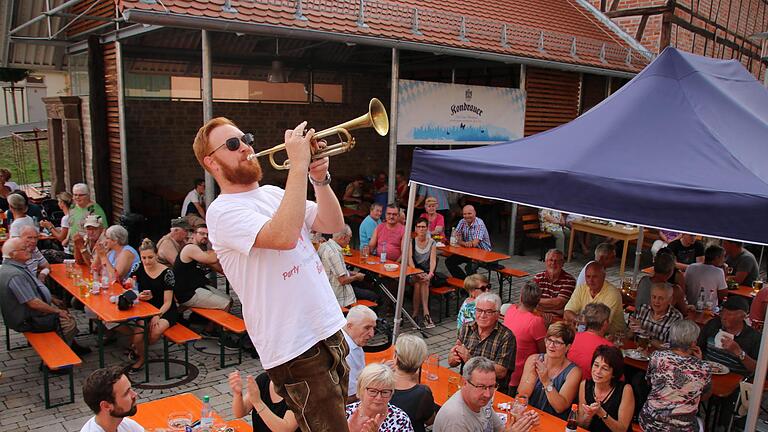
(234, 143)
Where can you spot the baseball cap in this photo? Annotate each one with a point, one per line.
(180, 223)
(92, 221)
(735, 302)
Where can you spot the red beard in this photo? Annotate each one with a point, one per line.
(243, 174)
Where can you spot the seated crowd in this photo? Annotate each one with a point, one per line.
(558, 346)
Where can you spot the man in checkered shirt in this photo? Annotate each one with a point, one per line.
(657, 317)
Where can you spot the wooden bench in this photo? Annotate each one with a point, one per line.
(506, 275)
(179, 335)
(56, 355)
(227, 322)
(455, 282)
(532, 231)
(443, 293)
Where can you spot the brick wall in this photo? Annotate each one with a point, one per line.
(715, 28)
(160, 134)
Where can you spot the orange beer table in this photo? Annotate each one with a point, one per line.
(154, 414)
(375, 268)
(106, 311)
(448, 382)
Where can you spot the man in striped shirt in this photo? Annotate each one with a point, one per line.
(471, 233)
(556, 285)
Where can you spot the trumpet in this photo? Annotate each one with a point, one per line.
(376, 117)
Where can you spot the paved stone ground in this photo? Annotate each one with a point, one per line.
(21, 385)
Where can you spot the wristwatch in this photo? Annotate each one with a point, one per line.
(742, 355)
(549, 387)
(325, 182)
(603, 417)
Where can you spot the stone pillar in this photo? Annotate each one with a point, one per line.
(64, 141)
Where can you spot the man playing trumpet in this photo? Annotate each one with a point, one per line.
(261, 236)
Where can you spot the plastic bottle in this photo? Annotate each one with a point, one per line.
(104, 279)
(206, 415)
(700, 301)
(383, 252)
(572, 423)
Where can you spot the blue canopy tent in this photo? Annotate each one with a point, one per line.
(683, 146)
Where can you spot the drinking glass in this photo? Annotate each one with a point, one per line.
(757, 286)
(626, 284)
(642, 341)
(432, 364)
(519, 406)
(179, 420)
(365, 252)
(454, 384)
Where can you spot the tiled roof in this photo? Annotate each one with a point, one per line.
(558, 30)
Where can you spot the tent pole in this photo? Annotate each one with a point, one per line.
(638, 253)
(512, 229)
(404, 260)
(207, 96)
(392, 185)
(756, 397)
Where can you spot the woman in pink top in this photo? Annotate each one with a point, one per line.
(528, 328)
(436, 227)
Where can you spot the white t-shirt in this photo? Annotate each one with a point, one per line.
(192, 197)
(20, 223)
(287, 302)
(127, 425)
(707, 276)
(13, 186)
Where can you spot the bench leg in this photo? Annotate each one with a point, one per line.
(186, 359)
(222, 363)
(7, 338)
(165, 359)
(47, 392)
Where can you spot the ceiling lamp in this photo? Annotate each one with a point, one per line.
(277, 71)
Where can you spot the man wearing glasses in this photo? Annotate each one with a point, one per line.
(260, 234)
(487, 337)
(471, 408)
(83, 208)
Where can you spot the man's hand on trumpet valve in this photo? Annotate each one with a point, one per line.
(298, 146)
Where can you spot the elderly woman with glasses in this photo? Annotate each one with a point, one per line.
(678, 379)
(410, 396)
(375, 388)
(474, 285)
(550, 380)
(424, 257)
(115, 255)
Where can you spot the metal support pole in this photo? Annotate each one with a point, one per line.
(757, 386)
(393, 127)
(406, 250)
(43, 15)
(638, 253)
(207, 95)
(512, 229)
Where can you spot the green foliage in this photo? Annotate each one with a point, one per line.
(29, 170)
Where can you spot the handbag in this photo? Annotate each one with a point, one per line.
(126, 299)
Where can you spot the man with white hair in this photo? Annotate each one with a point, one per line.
(486, 336)
(17, 206)
(37, 264)
(83, 207)
(27, 304)
(339, 276)
(656, 317)
(361, 323)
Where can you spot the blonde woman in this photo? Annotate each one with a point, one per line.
(474, 285)
(375, 388)
(410, 396)
(436, 221)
